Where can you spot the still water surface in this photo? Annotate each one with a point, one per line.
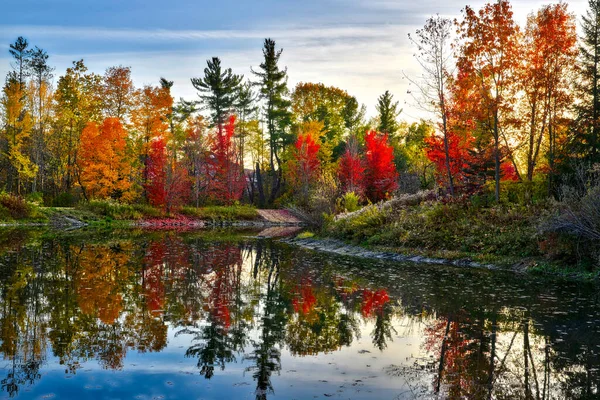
(218, 315)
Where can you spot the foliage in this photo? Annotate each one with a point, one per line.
(351, 169)
(105, 170)
(15, 207)
(304, 166)
(380, 172)
(118, 211)
(217, 90)
(235, 212)
(167, 183)
(228, 181)
(501, 231)
(388, 114)
(349, 202)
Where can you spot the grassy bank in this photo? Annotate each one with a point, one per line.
(507, 235)
(18, 211)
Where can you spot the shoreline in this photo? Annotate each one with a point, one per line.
(339, 247)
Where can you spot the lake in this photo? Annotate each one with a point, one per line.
(225, 315)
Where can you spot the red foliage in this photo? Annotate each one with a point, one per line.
(373, 302)
(157, 176)
(228, 180)
(352, 171)
(380, 172)
(304, 167)
(458, 152)
(508, 172)
(304, 299)
(167, 182)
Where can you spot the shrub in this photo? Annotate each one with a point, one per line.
(64, 200)
(349, 202)
(577, 225)
(14, 207)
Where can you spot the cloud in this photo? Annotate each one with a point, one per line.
(93, 33)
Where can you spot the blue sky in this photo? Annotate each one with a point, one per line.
(358, 45)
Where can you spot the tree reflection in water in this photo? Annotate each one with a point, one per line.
(480, 336)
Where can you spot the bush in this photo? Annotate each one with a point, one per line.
(573, 233)
(14, 207)
(349, 202)
(64, 200)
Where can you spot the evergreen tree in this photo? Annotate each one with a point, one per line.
(388, 112)
(21, 54)
(589, 109)
(272, 83)
(218, 91)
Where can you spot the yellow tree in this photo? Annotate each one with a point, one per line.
(17, 129)
(550, 47)
(77, 102)
(118, 92)
(104, 168)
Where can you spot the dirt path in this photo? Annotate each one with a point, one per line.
(279, 216)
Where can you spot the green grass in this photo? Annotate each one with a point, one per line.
(221, 213)
(119, 211)
(504, 235)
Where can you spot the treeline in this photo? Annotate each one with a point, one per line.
(509, 103)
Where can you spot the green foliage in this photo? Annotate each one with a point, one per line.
(235, 212)
(524, 193)
(349, 202)
(64, 199)
(501, 231)
(113, 210)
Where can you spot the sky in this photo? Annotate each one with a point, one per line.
(361, 46)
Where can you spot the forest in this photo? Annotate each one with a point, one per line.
(507, 163)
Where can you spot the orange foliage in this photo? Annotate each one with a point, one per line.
(105, 169)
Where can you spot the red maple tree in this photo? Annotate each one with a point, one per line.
(351, 170)
(381, 177)
(228, 180)
(305, 164)
(167, 183)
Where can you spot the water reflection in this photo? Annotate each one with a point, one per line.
(259, 307)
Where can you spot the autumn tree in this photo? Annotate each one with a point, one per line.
(272, 84)
(196, 149)
(227, 182)
(333, 107)
(550, 55)
(351, 169)
(304, 165)
(381, 178)
(387, 114)
(434, 56)
(167, 184)
(17, 132)
(104, 166)
(488, 52)
(77, 103)
(150, 121)
(118, 93)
